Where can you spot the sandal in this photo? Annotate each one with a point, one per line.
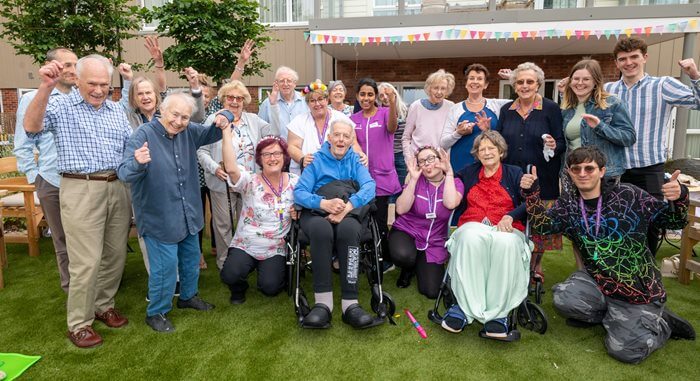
(454, 320)
(498, 329)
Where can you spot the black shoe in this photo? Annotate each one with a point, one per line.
(571, 322)
(356, 317)
(319, 317)
(160, 323)
(236, 300)
(196, 303)
(404, 279)
(680, 328)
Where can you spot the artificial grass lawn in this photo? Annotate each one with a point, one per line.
(261, 340)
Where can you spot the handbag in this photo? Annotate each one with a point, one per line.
(670, 266)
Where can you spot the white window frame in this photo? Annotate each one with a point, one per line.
(287, 23)
(504, 83)
(2, 108)
(395, 7)
(21, 92)
(149, 28)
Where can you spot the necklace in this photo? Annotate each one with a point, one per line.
(479, 101)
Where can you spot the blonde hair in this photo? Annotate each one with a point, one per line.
(132, 92)
(234, 85)
(439, 76)
(570, 100)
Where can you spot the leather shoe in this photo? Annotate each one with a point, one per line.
(112, 318)
(318, 317)
(85, 337)
(356, 317)
(680, 328)
(196, 303)
(160, 323)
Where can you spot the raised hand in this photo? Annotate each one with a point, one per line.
(483, 121)
(562, 84)
(672, 189)
(591, 120)
(689, 67)
(246, 51)
(444, 163)
(274, 95)
(192, 78)
(221, 121)
(528, 179)
(465, 128)
(50, 73)
(505, 73)
(143, 154)
(154, 50)
(413, 169)
(125, 71)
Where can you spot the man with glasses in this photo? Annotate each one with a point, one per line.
(160, 163)
(650, 101)
(291, 103)
(620, 285)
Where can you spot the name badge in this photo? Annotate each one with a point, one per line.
(375, 125)
(430, 216)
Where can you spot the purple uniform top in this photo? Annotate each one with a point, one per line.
(430, 234)
(378, 144)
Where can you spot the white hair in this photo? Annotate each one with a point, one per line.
(400, 104)
(94, 57)
(346, 122)
(524, 67)
(189, 101)
(284, 69)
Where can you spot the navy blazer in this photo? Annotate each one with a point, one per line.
(510, 181)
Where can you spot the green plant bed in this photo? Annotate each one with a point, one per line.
(260, 339)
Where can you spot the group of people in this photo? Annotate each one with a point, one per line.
(492, 167)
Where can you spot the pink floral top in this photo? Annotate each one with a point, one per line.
(260, 231)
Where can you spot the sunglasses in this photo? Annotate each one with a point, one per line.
(576, 169)
(236, 98)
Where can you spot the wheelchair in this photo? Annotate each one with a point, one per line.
(370, 263)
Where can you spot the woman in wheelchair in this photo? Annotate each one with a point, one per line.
(490, 256)
(265, 218)
(334, 224)
(417, 238)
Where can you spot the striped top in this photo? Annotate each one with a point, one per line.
(650, 102)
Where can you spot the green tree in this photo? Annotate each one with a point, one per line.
(33, 27)
(209, 34)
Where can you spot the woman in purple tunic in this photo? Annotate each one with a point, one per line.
(417, 238)
(374, 128)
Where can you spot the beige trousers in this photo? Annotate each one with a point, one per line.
(96, 217)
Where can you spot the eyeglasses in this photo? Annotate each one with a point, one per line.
(316, 101)
(267, 155)
(286, 81)
(576, 169)
(428, 160)
(487, 149)
(236, 98)
(521, 82)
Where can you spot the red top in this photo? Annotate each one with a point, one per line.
(488, 199)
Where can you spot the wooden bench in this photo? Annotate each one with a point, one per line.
(690, 237)
(22, 203)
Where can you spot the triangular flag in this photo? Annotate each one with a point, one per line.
(363, 40)
(638, 31)
(542, 34)
(473, 33)
(568, 34)
(550, 33)
(693, 24)
(448, 33)
(439, 34)
(342, 39)
(319, 37)
(426, 36)
(410, 38)
(524, 34)
(628, 32)
(672, 27)
(326, 38)
(377, 40)
(647, 30)
(598, 33)
(533, 34)
(484, 34)
(306, 36)
(659, 29)
(578, 34)
(607, 34)
(586, 33)
(515, 36)
(506, 35)
(617, 32)
(462, 34)
(683, 25)
(334, 39)
(371, 40)
(387, 39)
(498, 35)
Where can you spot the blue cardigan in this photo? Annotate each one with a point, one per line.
(510, 181)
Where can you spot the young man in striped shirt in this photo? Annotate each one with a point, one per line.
(650, 101)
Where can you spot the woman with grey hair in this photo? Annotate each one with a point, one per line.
(336, 95)
(532, 127)
(427, 116)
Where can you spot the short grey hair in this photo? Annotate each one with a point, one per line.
(333, 84)
(182, 96)
(285, 69)
(439, 76)
(343, 121)
(527, 66)
(495, 138)
(94, 57)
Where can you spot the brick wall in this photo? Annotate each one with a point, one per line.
(418, 70)
(9, 100)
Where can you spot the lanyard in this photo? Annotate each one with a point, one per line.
(322, 135)
(277, 193)
(432, 206)
(599, 207)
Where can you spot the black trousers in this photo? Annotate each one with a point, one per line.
(651, 179)
(239, 265)
(204, 194)
(325, 239)
(381, 216)
(405, 255)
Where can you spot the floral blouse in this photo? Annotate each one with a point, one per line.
(261, 226)
(245, 149)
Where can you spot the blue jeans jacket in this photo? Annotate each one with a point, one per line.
(612, 135)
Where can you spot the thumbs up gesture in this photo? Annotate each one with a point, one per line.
(143, 154)
(528, 179)
(672, 189)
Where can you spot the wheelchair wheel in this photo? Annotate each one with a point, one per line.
(386, 308)
(532, 317)
(301, 306)
(539, 291)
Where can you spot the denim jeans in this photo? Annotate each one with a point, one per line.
(165, 260)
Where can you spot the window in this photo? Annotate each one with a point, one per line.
(549, 90)
(150, 4)
(391, 7)
(264, 92)
(286, 12)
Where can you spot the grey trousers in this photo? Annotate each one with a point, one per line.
(51, 205)
(634, 331)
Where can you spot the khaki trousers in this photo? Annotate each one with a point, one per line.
(96, 217)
